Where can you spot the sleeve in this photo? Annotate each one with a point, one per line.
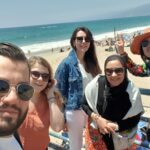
(129, 123)
(61, 75)
(135, 69)
(86, 107)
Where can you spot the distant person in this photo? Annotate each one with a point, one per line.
(113, 105)
(15, 93)
(45, 107)
(140, 46)
(61, 50)
(72, 76)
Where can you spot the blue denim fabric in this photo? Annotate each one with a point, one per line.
(69, 81)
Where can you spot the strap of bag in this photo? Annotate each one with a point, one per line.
(101, 94)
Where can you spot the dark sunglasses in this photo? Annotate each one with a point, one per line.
(24, 90)
(81, 38)
(145, 43)
(36, 75)
(109, 71)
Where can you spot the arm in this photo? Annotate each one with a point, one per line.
(104, 125)
(56, 109)
(86, 107)
(56, 117)
(135, 69)
(129, 123)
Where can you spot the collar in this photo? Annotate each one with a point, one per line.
(73, 57)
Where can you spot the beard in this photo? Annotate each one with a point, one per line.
(9, 125)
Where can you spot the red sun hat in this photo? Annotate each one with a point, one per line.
(136, 43)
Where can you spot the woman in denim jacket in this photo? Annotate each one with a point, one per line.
(72, 75)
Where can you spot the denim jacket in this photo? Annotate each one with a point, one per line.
(69, 81)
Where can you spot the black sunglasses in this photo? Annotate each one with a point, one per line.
(24, 90)
(109, 71)
(81, 38)
(36, 75)
(145, 43)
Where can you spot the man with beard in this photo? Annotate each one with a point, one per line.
(15, 93)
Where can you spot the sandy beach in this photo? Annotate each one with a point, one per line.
(56, 57)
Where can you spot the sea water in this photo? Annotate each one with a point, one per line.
(42, 37)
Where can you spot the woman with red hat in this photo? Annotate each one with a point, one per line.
(140, 46)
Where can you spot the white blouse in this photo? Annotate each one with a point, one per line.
(87, 77)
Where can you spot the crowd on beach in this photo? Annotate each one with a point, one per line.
(76, 98)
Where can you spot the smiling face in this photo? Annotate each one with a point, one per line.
(39, 82)
(12, 109)
(81, 42)
(146, 47)
(115, 72)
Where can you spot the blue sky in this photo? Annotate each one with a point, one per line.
(34, 12)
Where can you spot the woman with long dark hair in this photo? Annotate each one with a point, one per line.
(72, 76)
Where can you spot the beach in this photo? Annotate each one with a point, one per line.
(52, 42)
(56, 57)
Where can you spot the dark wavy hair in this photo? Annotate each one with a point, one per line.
(13, 52)
(90, 58)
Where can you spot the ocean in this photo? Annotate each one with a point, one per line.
(42, 37)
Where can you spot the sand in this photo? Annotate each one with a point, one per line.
(56, 57)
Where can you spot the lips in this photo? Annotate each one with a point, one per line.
(38, 84)
(8, 112)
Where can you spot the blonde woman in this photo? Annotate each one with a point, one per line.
(45, 107)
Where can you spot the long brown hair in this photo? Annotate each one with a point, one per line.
(90, 58)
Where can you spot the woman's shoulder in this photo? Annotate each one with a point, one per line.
(133, 90)
(131, 86)
(66, 61)
(93, 82)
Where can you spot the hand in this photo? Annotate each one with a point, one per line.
(50, 90)
(113, 126)
(120, 45)
(103, 126)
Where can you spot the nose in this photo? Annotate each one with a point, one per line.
(40, 78)
(114, 73)
(11, 97)
(83, 41)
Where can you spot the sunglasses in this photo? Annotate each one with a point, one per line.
(36, 75)
(24, 90)
(145, 43)
(110, 71)
(81, 38)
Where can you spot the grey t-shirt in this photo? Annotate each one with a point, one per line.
(9, 143)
